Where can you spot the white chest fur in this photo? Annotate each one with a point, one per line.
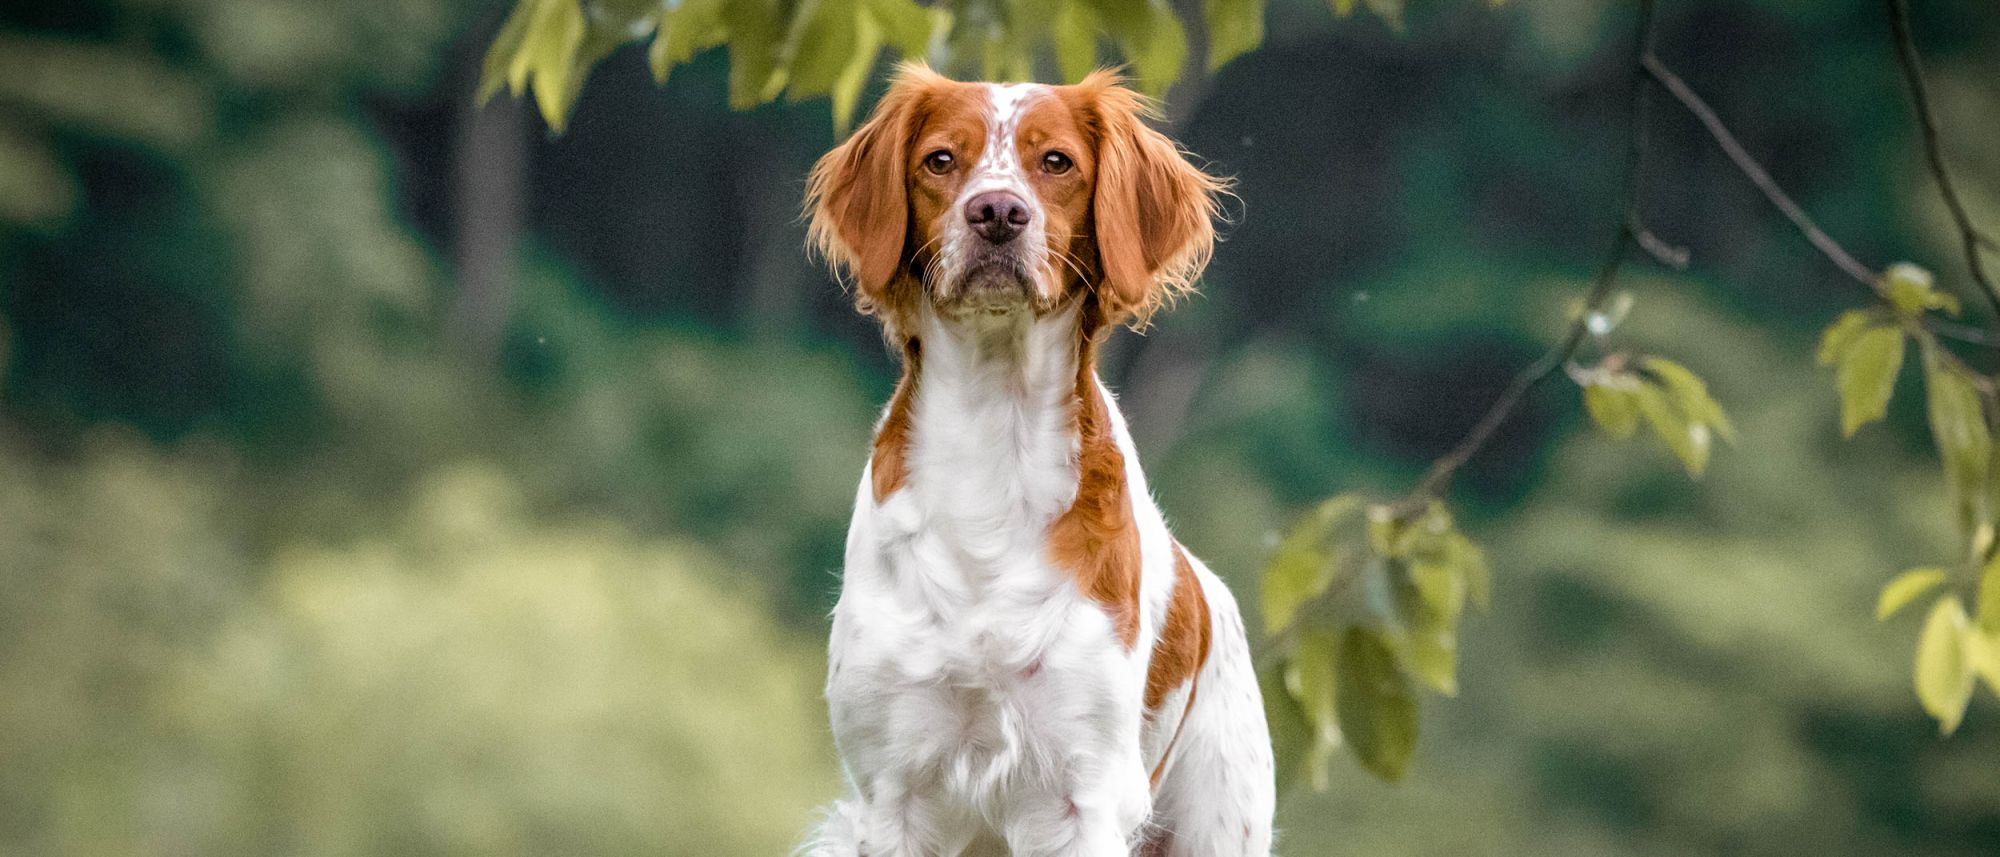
(969, 678)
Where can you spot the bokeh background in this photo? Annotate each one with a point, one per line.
(380, 475)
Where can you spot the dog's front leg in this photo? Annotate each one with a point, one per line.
(900, 821)
(1097, 817)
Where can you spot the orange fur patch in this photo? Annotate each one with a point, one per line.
(1183, 644)
(1181, 650)
(1097, 539)
(889, 465)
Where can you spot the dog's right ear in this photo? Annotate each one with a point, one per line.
(857, 201)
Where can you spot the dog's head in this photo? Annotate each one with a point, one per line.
(1000, 198)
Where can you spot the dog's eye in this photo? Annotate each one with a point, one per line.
(939, 162)
(1057, 163)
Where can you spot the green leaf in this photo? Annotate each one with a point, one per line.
(755, 33)
(1075, 40)
(1689, 393)
(1150, 37)
(1689, 441)
(1982, 652)
(503, 56)
(1309, 678)
(1905, 588)
(1295, 746)
(1235, 27)
(1442, 585)
(1833, 343)
(1614, 409)
(1983, 639)
(693, 26)
(1343, 8)
(847, 88)
(1958, 425)
(821, 47)
(1989, 598)
(1867, 376)
(550, 49)
(1943, 673)
(1912, 290)
(1428, 643)
(906, 26)
(1378, 709)
(1306, 560)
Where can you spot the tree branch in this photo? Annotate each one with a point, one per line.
(1913, 76)
(1832, 249)
(1756, 174)
(1630, 231)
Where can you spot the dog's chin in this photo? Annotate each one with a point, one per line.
(998, 287)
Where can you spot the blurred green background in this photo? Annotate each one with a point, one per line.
(382, 476)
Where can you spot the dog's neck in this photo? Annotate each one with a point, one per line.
(985, 428)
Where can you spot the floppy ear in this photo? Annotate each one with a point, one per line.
(856, 199)
(1153, 211)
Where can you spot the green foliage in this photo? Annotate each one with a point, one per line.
(1907, 587)
(1309, 679)
(387, 601)
(1944, 673)
(1312, 554)
(1954, 650)
(1366, 604)
(1672, 666)
(1910, 290)
(1866, 347)
(1866, 364)
(530, 682)
(1958, 426)
(477, 679)
(803, 49)
(1673, 401)
(1378, 708)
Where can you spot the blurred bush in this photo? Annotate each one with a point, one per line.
(475, 681)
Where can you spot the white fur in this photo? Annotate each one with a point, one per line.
(981, 703)
(999, 168)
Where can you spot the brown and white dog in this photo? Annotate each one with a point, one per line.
(1023, 659)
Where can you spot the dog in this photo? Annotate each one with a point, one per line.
(1023, 659)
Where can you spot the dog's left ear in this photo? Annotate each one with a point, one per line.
(1153, 211)
(856, 202)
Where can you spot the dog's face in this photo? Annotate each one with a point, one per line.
(1000, 198)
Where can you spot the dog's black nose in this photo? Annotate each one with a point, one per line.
(996, 215)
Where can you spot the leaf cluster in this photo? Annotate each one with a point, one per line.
(1673, 401)
(808, 48)
(1367, 604)
(1866, 350)
(805, 49)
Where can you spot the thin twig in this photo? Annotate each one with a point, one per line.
(1962, 332)
(1630, 226)
(1756, 174)
(1439, 475)
(1670, 255)
(1913, 76)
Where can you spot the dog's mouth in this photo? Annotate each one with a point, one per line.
(994, 282)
